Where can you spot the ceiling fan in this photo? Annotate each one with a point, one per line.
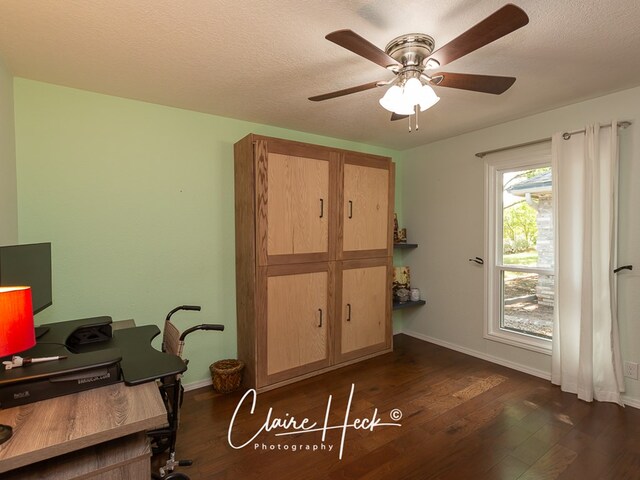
(411, 56)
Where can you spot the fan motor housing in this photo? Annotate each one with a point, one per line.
(411, 49)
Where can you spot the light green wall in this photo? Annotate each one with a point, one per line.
(8, 194)
(137, 200)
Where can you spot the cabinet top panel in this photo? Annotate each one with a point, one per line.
(282, 142)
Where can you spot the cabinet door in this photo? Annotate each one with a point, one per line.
(367, 208)
(364, 314)
(296, 200)
(297, 322)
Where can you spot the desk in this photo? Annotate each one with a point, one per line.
(131, 347)
(140, 361)
(115, 414)
(96, 433)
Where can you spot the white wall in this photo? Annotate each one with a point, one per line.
(8, 194)
(443, 195)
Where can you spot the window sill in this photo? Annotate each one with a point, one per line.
(526, 342)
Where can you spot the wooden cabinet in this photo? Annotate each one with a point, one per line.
(295, 321)
(313, 239)
(297, 218)
(363, 301)
(295, 188)
(365, 219)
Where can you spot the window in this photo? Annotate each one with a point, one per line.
(520, 248)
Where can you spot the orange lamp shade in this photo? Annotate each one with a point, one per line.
(16, 320)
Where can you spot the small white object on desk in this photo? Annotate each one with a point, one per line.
(18, 361)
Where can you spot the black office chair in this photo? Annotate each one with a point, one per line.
(172, 391)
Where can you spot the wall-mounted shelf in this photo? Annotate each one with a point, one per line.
(403, 246)
(398, 306)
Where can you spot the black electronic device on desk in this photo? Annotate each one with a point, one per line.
(73, 373)
(96, 356)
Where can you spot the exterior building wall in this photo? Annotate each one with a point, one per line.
(545, 289)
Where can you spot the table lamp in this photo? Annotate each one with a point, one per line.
(16, 329)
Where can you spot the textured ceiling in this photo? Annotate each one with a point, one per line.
(259, 60)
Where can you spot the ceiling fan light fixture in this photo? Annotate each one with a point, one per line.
(403, 100)
(395, 100)
(412, 89)
(391, 98)
(428, 98)
(404, 109)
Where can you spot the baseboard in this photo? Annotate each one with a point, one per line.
(631, 402)
(626, 400)
(474, 353)
(199, 384)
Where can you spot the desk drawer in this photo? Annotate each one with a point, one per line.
(35, 390)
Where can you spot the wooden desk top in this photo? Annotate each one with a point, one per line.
(60, 425)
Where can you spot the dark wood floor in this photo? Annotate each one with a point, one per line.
(462, 418)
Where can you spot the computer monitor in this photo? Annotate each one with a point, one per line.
(28, 265)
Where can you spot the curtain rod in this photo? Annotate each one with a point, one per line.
(623, 124)
(565, 135)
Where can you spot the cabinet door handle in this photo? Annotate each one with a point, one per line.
(321, 208)
(349, 314)
(350, 209)
(320, 324)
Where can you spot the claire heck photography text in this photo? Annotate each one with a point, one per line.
(311, 434)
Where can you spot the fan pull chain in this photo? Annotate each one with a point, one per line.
(416, 121)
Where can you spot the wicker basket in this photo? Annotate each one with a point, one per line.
(226, 375)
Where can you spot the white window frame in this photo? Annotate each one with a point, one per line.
(535, 156)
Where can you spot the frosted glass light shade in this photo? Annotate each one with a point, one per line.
(391, 98)
(427, 98)
(412, 89)
(395, 100)
(403, 100)
(404, 107)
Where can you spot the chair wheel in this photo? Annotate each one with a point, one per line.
(171, 476)
(176, 476)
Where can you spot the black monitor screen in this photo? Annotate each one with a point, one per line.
(28, 265)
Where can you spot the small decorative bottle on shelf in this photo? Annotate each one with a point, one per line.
(403, 295)
(401, 284)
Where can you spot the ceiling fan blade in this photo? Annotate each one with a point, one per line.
(477, 83)
(346, 91)
(500, 23)
(352, 41)
(397, 116)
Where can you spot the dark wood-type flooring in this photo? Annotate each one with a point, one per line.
(462, 418)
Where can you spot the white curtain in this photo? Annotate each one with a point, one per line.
(586, 352)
